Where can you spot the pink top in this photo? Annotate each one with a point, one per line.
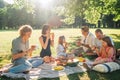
(106, 56)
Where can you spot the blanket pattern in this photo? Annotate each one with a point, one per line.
(46, 71)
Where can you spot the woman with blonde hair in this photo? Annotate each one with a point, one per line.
(21, 51)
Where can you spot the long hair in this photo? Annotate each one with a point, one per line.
(24, 29)
(61, 38)
(108, 41)
(45, 28)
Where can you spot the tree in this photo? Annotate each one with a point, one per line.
(93, 10)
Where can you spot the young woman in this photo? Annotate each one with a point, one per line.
(106, 53)
(46, 40)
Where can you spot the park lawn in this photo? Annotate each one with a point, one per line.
(71, 35)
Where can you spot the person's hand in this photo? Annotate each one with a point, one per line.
(48, 35)
(66, 45)
(78, 43)
(97, 50)
(33, 47)
(103, 48)
(86, 45)
(93, 48)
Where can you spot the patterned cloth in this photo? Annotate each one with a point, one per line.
(46, 71)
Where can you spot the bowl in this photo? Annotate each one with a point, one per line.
(72, 64)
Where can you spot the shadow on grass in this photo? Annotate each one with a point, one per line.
(116, 38)
(93, 75)
(8, 78)
(49, 79)
(75, 76)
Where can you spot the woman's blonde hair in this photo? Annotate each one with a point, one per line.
(24, 29)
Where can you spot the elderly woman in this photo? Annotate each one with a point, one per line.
(21, 51)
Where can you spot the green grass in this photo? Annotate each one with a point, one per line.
(71, 35)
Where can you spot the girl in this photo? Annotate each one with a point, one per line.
(61, 48)
(106, 53)
(61, 51)
(46, 41)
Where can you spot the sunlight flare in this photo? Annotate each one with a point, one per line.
(46, 3)
(9, 1)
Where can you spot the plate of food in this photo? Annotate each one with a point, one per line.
(72, 63)
(58, 68)
(81, 59)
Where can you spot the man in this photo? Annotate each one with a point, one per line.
(98, 40)
(87, 41)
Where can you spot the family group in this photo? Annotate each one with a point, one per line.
(101, 45)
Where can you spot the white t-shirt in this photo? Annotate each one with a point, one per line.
(88, 40)
(60, 50)
(98, 43)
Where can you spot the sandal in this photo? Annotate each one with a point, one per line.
(86, 66)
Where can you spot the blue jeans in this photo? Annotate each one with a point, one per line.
(25, 65)
(36, 62)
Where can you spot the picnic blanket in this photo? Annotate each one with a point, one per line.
(46, 71)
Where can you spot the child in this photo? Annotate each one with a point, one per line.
(106, 53)
(62, 46)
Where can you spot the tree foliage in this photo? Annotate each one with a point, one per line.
(72, 12)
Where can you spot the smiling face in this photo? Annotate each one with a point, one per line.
(99, 35)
